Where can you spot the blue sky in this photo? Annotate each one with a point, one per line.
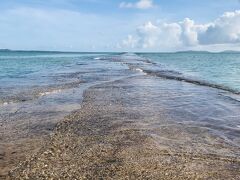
(120, 25)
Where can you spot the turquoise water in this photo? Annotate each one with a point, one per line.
(26, 75)
(217, 68)
(38, 89)
(35, 68)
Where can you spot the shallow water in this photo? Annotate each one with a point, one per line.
(125, 129)
(202, 114)
(25, 76)
(43, 88)
(180, 114)
(38, 89)
(215, 68)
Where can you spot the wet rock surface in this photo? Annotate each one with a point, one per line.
(122, 132)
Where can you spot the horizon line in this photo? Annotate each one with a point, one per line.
(60, 51)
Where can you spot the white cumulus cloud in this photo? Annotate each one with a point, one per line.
(226, 29)
(129, 42)
(141, 4)
(163, 35)
(186, 33)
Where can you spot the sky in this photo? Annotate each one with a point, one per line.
(120, 25)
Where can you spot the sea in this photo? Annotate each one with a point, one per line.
(222, 69)
(38, 89)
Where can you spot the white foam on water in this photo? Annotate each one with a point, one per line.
(5, 103)
(50, 92)
(140, 70)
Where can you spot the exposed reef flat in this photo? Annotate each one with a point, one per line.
(123, 132)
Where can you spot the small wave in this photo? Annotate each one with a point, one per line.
(233, 97)
(38, 92)
(140, 70)
(104, 58)
(9, 102)
(58, 88)
(176, 76)
(5, 103)
(14, 99)
(81, 64)
(168, 74)
(50, 92)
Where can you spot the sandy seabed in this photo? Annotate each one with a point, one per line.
(121, 132)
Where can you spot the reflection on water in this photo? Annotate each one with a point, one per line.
(182, 114)
(36, 92)
(215, 68)
(52, 90)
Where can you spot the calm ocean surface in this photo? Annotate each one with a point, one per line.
(196, 90)
(216, 68)
(38, 89)
(28, 75)
(46, 72)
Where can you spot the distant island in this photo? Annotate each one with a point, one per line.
(43, 51)
(5, 50)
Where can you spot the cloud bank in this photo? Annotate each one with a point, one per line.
(186, 33)
(141, 4)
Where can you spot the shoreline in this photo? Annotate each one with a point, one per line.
(110, 138)
(23, 133)
(129, 124)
